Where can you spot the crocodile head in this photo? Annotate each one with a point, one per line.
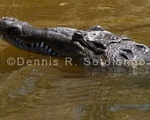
(96, 44)
(47, 41)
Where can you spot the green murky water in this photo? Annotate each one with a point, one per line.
(71, 92)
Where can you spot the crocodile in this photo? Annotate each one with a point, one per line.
(93, 45)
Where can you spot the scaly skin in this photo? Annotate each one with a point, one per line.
(93, 44)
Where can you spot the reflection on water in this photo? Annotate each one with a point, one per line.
(72, 92)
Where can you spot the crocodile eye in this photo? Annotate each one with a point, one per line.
(98, 48)
(100, 45)
(126, 53)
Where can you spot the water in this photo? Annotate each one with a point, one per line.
(72, 92)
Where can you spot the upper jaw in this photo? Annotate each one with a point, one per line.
(12, 31)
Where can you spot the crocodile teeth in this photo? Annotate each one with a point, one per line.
(23, 43)
(20, 41)
(17, 39)
(49, 50)
(33, 44)
(37, 44)
(42, 45)
(46, 47)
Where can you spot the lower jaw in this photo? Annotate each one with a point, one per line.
(40, 48)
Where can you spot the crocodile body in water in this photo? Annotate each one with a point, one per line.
(93, 44)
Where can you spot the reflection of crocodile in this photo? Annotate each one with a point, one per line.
(94, 44)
